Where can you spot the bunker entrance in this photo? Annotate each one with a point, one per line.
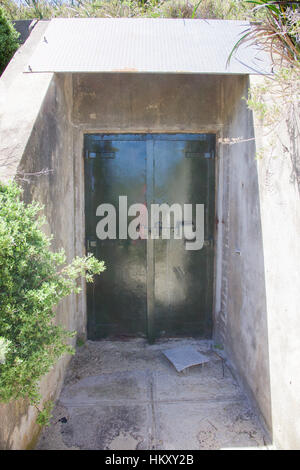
(149, 209)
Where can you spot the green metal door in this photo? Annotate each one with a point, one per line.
(152, 287)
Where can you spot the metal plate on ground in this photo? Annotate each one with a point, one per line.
(184, 357)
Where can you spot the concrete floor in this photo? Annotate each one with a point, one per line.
(126, 395)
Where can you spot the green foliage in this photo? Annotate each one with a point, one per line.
(4, 347)
(277, 97)
(45, 415)
(80, 342)
(8, 40)
(280, 29)
(226, 9)
(256, 101)
(33, 279)
(275, 101)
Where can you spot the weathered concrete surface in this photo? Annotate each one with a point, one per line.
(260, 269)
(35, 148)
(21, 98)
(279, 186)
(243, 276)
(127, 395)
(147, 103)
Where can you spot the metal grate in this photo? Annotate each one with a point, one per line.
(153, 45)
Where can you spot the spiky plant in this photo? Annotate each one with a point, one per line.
(275, 25)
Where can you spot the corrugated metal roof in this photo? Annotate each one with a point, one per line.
(146, 45)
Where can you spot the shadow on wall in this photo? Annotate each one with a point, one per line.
(278, 177)
(244, 303)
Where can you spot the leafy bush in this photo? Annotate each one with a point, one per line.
(8, 40)
(33, 279)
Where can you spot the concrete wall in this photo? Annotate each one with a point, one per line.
(279, 184)
(147, 103)
(36, 149)
(243, 291)
(260, 293)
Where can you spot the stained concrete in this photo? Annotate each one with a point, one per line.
(147, 103)
(126, 395)
(279, 194)
(244, 305)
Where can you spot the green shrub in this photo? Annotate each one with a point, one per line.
(8, 40)
(33, 279)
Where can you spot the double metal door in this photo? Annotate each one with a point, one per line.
(152, 286)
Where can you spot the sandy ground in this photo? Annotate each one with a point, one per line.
(126, 395)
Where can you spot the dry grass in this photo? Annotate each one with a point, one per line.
(224, 9)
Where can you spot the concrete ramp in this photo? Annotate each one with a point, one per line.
(126, 396)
